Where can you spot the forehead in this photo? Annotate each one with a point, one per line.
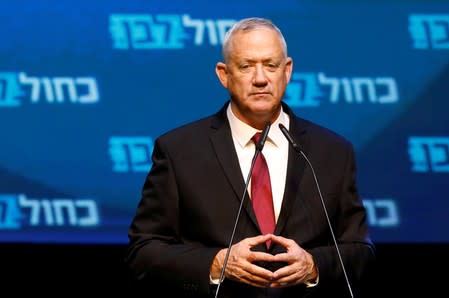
(260, 42)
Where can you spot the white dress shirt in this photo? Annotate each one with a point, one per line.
(275, 151)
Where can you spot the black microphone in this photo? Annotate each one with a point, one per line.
(263, 137)
(295, 146)
(259, 146)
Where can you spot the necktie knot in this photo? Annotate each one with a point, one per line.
(256, 137)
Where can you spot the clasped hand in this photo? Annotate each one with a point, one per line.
(242, 263)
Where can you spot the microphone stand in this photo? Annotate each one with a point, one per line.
(259, 147)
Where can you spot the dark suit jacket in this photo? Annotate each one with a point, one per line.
(191, 198)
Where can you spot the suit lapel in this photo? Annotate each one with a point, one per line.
(223, 145)
(295, 170)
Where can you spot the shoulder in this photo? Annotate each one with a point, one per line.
(196, 132)
(200, 127)
(187, 131)
(316, 137)
(312, 131)
(325, 134)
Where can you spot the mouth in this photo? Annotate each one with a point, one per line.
(260, 93)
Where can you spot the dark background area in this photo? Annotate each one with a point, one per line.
(402, 270)
(98, 153)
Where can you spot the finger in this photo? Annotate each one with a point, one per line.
(278, 238)
(282, 257)
(252, 275)
(281, 284)
(253, 241)
(284, 271)
(255, 280)
(288, 277)
(256, 256)
(291, 274)
(283, 241)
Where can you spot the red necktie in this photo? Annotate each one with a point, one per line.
(261, 195)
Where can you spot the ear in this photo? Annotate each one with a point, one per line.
(222, 73)
(288, 68)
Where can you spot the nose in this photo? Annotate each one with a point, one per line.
(260, 78)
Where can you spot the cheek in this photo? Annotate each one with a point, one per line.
(239, 85)
(281, 84)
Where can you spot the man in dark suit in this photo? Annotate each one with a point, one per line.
(179, 237)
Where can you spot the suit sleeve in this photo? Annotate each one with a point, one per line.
(351, 233)
(156, 251)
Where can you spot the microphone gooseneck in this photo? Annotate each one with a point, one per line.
(295, 146)
(259, 146)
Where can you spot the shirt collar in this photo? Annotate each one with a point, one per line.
(243, 132)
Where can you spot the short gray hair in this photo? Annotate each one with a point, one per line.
(250, 24)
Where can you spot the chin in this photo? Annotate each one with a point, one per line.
(265, 106)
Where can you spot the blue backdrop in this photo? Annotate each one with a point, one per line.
(86, 86)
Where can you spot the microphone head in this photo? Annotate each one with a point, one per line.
(263, 137)
(289, 137)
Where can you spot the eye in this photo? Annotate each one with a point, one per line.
(272, 66)
(244, 67)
